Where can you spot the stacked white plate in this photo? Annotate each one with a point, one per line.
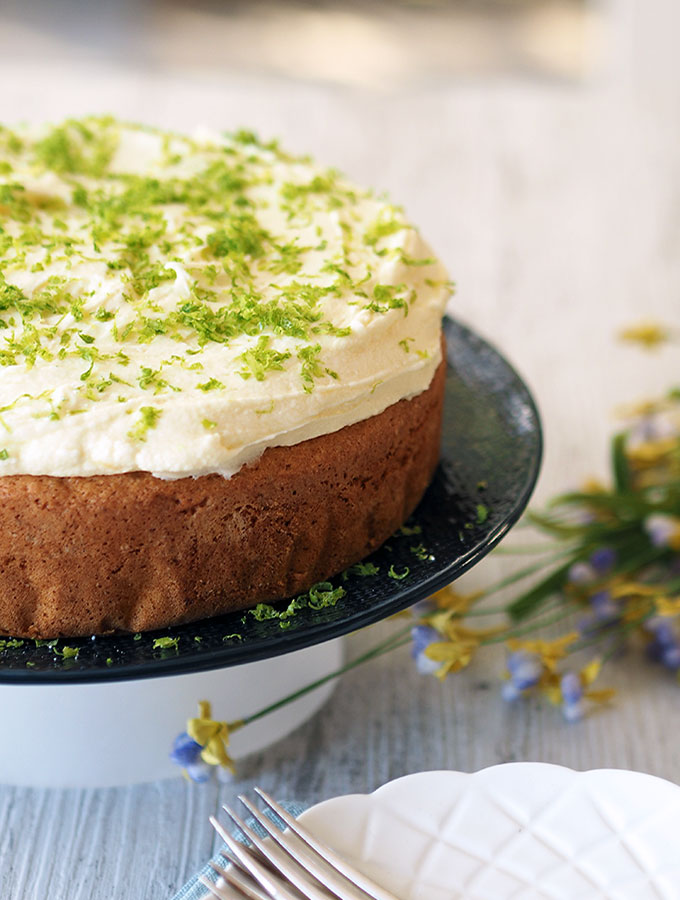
(521, 831)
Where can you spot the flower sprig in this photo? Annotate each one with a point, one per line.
(607, 573)
(203, 746)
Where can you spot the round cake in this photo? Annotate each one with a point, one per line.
(221, 376)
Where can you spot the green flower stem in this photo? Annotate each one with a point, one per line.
(529, 629)
(402, 637)
(671, 587)
(638, 561)
(526, 550)
(526, 572)
(487, 611)
(503, 610)
(623, 631)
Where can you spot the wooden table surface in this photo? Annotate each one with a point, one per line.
(556, 205)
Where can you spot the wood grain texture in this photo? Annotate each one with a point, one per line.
(557, 209)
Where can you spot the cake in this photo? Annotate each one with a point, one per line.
(221, 378)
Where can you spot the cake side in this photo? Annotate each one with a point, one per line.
(133, 552)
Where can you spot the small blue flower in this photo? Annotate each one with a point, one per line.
(665, 645)
(662, 630)
(573, 712)
(581, 573)
(571, 687)
(185, 751)
(663, 530)
(671, 656)
(572, 696)
(510, 691)
(423, 636)
(604, 607)
(423, 607)
(200, 771)
(603, 559)
(525, 669)
(605, 612)
(587, 626)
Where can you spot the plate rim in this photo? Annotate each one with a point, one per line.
(635, 781)
(516, 765)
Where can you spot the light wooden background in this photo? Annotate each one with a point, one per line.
(556, 205)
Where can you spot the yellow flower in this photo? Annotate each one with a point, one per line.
(593, 486)
(454, 655)
(638, 598)
(668, 606)
(590, 672)
(456, 652)
(602, 695)
(648, 334)
(651, 453)
(449, 598)
(588, 675)
(551, 684)
(550, 652)
(633, 589)
(213, 736)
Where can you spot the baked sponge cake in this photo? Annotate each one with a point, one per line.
(221, 375)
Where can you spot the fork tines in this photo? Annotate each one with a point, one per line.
(302, 860)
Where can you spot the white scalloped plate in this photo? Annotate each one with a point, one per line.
(520, 831)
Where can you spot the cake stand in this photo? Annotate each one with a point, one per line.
(104, 711)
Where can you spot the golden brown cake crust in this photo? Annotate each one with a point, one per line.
(132, 552)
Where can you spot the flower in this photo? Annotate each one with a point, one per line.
(185, 750)
(452, 600)
(604, 606)
(524, 672)
(571, 688)
(581, 573)
(423, 636)
(664, 647)
(667, 606)
(603, 559)
(549, 652)
(199, 772)
(663, 530)
(455, 653)
(605, 612)
(441, 642)
(448, 598)
(648, 334)
(213, 736)
(532, 666)
(525, 669)
(203, 746)
(610, 553)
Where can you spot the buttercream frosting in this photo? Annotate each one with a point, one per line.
(177, 304)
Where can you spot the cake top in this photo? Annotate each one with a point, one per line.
(177, 304)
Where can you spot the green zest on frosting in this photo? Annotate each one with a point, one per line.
(216, 274)
(148, 417)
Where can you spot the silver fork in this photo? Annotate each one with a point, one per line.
(293, 864)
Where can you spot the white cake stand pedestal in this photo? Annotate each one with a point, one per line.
(120, 732)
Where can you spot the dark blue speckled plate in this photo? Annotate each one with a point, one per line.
(491, 452)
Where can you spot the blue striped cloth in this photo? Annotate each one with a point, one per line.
(194, 890)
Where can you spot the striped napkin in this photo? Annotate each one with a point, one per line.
(194, 890)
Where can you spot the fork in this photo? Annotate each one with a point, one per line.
(293, 864)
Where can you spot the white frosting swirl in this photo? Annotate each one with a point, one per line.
(177, 305)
